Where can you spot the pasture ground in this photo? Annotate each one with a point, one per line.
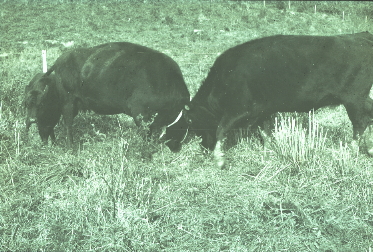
(307, 191)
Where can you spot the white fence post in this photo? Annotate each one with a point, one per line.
(44, 55)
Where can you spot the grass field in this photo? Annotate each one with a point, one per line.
(308, 190)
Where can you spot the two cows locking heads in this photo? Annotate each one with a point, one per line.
(245, 85)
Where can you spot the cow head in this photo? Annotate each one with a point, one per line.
(203, 123)
(33, 94)
(175, 135)
(42, 105)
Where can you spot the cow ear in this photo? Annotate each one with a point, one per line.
(187, 108)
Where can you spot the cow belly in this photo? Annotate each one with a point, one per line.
(107, 106)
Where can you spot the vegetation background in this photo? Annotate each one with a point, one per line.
(307, 191)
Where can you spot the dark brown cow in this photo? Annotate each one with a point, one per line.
(283, 73)
(109, 79)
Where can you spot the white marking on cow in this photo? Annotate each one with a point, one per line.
(219, 155)
(164, 128)
(176, 120)
(44, 56)
(88, 66)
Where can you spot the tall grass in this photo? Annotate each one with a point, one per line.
(294, 143)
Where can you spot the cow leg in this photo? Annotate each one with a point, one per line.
(368, 140)
(53, 137)
(226, 123)
(264, 127)
(359, 119)
(44, 134)
(208, 140)
(368, 134)
(45, 131)
(68, 116)
(141, 121)
(27, 129)
(146, 133)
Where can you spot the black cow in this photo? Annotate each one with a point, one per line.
(109, 79)
(283, 73)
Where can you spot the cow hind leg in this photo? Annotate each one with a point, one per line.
(359, 119)
(53, 137)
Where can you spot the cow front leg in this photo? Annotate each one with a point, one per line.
(219, 155)
(27, 129)
(226, 123)
(68, 116)
(53, 137)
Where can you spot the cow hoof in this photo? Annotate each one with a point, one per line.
(221, 163)
(369, 147)
(370, 152)
(368, 143)
(354, 146)
(219, 159)
(219, 155)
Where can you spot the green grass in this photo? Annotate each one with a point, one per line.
(309, 190)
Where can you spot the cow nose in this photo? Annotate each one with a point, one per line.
(173, 145)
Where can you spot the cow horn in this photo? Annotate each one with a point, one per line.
(186, 133)
(163, 129)
(176, 120)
